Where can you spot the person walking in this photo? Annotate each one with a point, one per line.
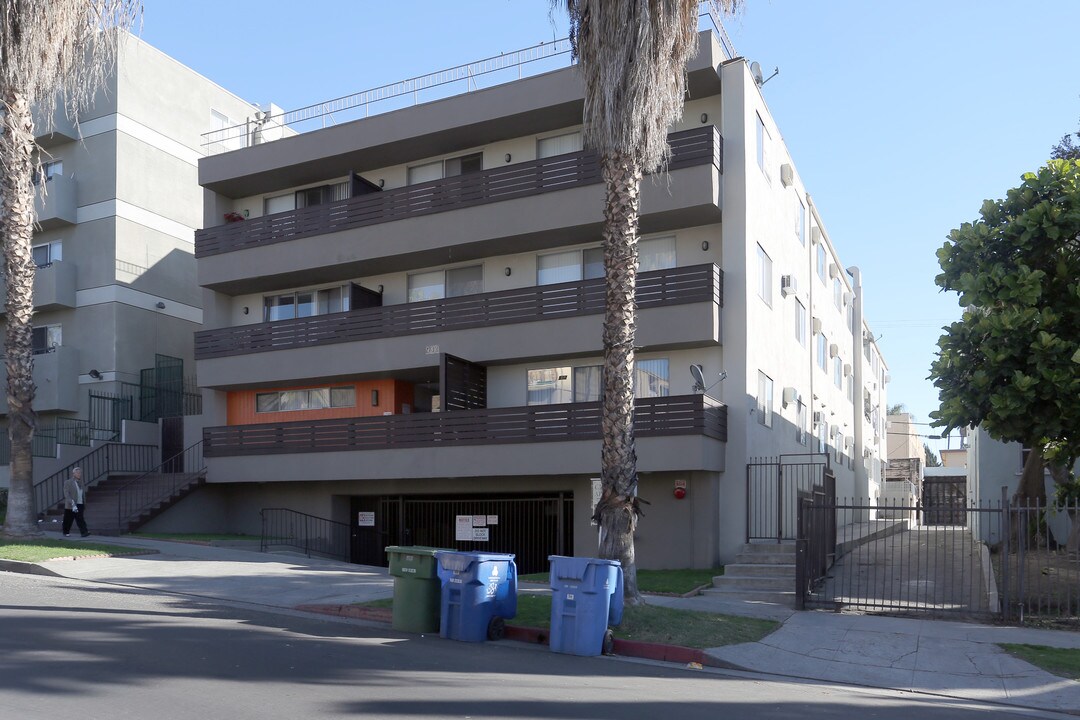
(75, 502)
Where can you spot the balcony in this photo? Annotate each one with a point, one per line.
(675, 433)
(351, 237)
(54, 287)
(56, 375)
(678, 308)
(57, 208)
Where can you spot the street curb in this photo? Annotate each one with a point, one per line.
(29, 568)
(26, 568)
(539, 636)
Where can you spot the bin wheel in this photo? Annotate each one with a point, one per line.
(496, 629)
(609, 643)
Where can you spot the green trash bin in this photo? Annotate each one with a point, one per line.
(417, 588)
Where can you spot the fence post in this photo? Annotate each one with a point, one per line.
(779, 501)
(800, 557)
(1005, 524)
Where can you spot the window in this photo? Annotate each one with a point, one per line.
(49, 170)
(800, 322)
(309, 399)
(838, 372)
(310, 197)
(46, 338)
(764, 399)
(558, 145)
(653, 254)
(651, 378)
(305, 303)
(850, 388)
(280, 203)
(800, 220)
(764, 276)
(822, 436)
(762, 147)
(800, 422)
(570, 266)
(838, 294)
(553, 386)
(48, 253)
(450, 167)
(823, 352)
(439, 284)
(851, 316)
(822, 262)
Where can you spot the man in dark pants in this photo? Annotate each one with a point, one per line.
(74, 502)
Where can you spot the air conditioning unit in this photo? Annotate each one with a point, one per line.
(834, 350)
(787, 175)
(847, 369)
(834, 270)
(815, 324)
(819, 417)
(887, 378)
(815, 235)
(788, 285)
(790, 395)
(849, 441)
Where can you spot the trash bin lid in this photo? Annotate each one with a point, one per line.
(574, 568)
(460, 561)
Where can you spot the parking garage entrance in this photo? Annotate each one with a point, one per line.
(529, 526)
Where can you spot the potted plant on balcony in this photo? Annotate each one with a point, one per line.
(232, 217)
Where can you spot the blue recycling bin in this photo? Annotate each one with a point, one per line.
(586, 597)
(479, 592)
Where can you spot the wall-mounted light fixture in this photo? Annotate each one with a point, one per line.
(382, 183)
(159, 305)
(507, 272)
(507, 157)
(374, 398)
(705, 245)
(95, 374)
(380, 289)
(246, 310)
(704, 118)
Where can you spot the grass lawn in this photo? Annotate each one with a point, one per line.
(198, 537)
(648, 623)
(674, 582)
(41, 550)
(1059, 661)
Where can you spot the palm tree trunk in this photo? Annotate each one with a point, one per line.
(16, 224)
(617, 510)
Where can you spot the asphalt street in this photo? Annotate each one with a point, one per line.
(82, 649)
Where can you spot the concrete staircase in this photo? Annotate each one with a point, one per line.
(762, 572)
(102, 512)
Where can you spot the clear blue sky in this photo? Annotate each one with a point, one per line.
(901, 117)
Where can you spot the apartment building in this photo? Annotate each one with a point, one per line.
(403, 333)
(115, 297)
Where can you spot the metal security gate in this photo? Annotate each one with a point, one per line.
(774, 488)
(530, 527)
(945, 501)
(107, 414)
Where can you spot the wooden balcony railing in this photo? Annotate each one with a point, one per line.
(699, 146)
(676, 286)
(654, 417)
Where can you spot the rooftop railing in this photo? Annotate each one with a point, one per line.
(458, 80)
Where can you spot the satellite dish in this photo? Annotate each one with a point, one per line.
(755, 71)
(699, 378)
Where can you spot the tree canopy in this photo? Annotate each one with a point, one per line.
(1012, 363)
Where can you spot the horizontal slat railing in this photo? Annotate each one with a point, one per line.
(654, 417)
(676, 286)
(699, 146)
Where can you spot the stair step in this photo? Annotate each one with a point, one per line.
(765, 558)
(780, 597)
(754, 583)
(759, 570)
(769, 548)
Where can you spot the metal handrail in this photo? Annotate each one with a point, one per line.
(96, 465)
(153, 487)
(289, 528)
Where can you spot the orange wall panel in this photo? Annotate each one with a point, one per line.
(393, 394)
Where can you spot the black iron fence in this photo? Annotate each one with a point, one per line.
(284, 529)
(66, 431)
(774, 487)
(1000, 559)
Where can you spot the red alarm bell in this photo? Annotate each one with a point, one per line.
(680, 493)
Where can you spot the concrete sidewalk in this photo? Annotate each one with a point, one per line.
(945, 658)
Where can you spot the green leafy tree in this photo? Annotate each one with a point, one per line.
(932, 460)
(48, 48)
(632, 57)
(1067, 149)
(1012, 363)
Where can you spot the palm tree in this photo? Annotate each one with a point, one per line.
(48, 49)
(632, 55)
